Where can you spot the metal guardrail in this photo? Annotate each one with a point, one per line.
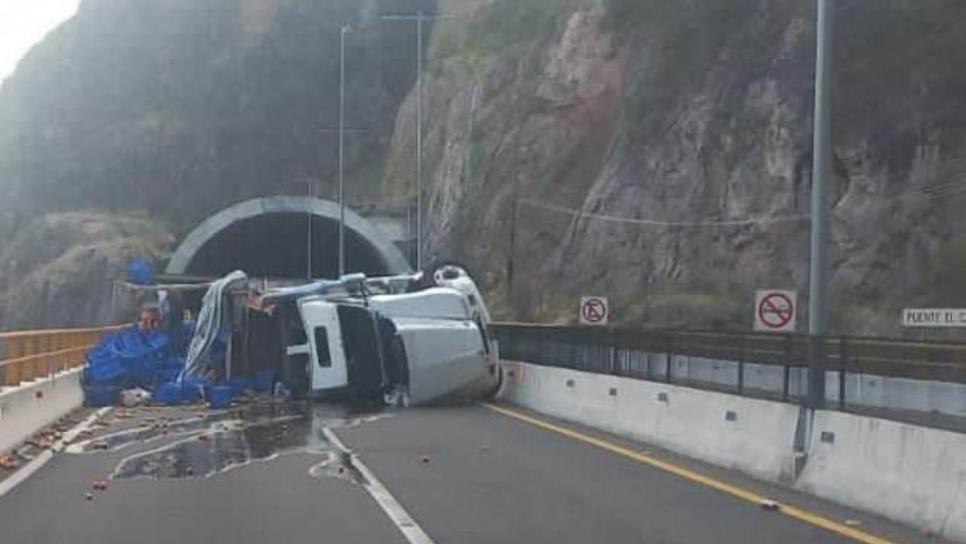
(28, 355)
(611, 351)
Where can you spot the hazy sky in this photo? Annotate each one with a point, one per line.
(23, 23)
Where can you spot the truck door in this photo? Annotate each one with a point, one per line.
(328, 365)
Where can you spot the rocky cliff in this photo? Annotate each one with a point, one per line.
(655, 151)
(58, 270)
(179, 108)
(659, 152)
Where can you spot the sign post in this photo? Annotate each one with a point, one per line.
(594, 311)
(775, 310)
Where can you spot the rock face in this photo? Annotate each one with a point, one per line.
(57, 271)
(659, 152)
(182, 107)
(654, 151)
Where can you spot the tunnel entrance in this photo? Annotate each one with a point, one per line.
(269, 237)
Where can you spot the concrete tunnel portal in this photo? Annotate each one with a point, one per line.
(269, 237)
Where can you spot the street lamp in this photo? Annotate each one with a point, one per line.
(342, 34)
(419, 17)
(821, 158)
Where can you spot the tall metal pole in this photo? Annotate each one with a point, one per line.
(308, 238)
(420, 17)
(342, 34)
(821, 160)
(419, 140)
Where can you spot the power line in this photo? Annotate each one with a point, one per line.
(660, 223)
(933, 191)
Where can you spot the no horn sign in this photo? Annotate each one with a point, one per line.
(775, 310)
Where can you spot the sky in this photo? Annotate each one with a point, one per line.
(23, 23)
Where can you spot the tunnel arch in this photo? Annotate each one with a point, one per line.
(269, 237)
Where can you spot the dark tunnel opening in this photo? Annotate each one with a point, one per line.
(276, 245)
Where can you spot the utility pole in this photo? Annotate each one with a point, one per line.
(419, 17)
(341, 130)
(342, 34)
(310, 191)
(419, 140)
(821, 160)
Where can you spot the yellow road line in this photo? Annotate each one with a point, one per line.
(697, 477)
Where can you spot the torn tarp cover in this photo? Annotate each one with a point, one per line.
(212, 320)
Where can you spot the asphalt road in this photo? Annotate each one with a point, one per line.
(465, 475)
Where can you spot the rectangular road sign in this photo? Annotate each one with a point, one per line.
(934, 317)
(775, 310)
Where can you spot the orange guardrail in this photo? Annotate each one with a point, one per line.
(28, 355)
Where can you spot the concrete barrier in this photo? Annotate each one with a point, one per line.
(912, 474)
(915, 475)
(27, 408)
(748, 435)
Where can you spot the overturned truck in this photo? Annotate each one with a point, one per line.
(414, 339)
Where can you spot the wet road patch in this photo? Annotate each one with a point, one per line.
(207, 446)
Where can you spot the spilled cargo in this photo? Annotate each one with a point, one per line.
(403, 340)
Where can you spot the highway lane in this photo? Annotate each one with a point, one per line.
(263, 501)
(466, 475)
(493, 478)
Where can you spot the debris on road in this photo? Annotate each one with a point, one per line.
(133, 397)
(769, 505)
(8, 461)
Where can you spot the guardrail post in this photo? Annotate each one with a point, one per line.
(613, 353)
(785, 367)
(670, 357)
(741, 364)
(843, 369)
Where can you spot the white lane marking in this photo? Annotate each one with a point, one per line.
(45, 456)
(84, 425)
(397, 514)
(25, 472)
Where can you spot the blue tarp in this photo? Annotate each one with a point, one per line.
(129, 358)
(147, 359)
(132, 358)
(140, 272)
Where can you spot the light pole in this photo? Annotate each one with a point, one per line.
(419, 140)
(342, 34)
(419, 17)
(821, 159)
(310, 192)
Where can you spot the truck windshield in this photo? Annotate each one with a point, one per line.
(362, 349)
(322, 347)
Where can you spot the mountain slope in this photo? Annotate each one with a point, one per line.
(659, 152)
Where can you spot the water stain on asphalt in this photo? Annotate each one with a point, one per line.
(211, 445)
(151, 429)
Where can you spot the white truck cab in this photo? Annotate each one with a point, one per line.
(414, 347)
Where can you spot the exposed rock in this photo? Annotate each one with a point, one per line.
(660, 153)
(59, 269)
(182, 108)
